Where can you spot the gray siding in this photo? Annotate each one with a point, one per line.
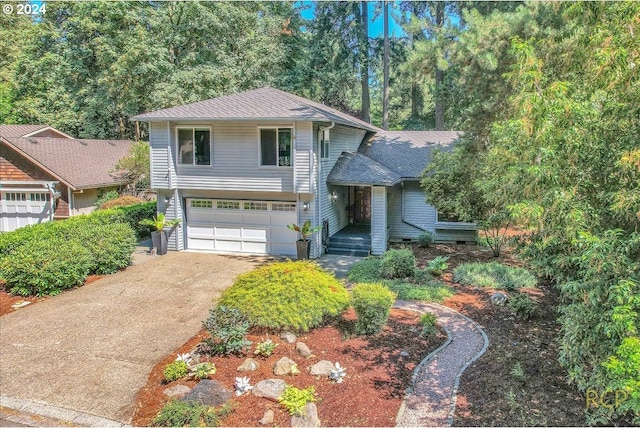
(172, 211)
(409, 214)
(342, 139)
(160, 155)
(379, 234)
(303, 157)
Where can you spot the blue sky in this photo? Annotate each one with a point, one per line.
(375, 27)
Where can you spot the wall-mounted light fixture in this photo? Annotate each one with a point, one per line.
(334, 197)
(305, 206)
(167, 200)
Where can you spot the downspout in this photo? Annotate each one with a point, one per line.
(52, 200)
(404, 220)
(320, 184)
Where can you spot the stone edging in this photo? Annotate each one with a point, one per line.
(46, 410)
(454, 394)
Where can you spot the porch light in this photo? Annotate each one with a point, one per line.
(167, 200)
(334, 196)
(305, 206)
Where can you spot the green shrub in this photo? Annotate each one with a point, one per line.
(398, 264)
(265, 348)
(176, 370)
(228, 328)
(425, 239)
(493, 275)
(45, 267)
(428, 322)
(179, 413)
(105, 197)
(133, 214)
(372, 303)
(294, 399)
(365, 270)
(437, 266)
(433, 291)
(122, 201)
(110, 246)
(289, 295)
(522, 306)
(203, 370)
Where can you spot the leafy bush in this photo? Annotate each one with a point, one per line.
(366, 270)
(175, 370)
(178, 413)
(228, 329)
(372, 303)
(46, 267)
(106, 197)
(133, 214)
(428, 322)
(398, 264)
(265, 348)
(289, 295)
(203, 370)
(433, 291)
(493, 275)
(522, 306)
(122, 201)
(110, 246)
(437, 266)
(425, 239)
(294, 399)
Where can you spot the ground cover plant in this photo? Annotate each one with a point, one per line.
(421, 285)
(287, 295)
(494, 275)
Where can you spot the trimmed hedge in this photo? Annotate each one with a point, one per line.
(288, 295)
(372, 303)
(398, 264)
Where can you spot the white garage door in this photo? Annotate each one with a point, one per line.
(257, 227)
(18, 209)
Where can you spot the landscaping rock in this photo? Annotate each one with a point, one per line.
(267, 419)
(283, 366)
(176, 390)
(270, 389)
(303, 350)
(404, 354)
(249, 365)
(289, 337)
(322, 368)
(499, 299)
(309, 417)
(208, 392)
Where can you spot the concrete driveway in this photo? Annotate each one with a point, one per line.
(91, 349)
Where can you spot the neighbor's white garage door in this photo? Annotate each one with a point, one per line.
(18, 209)
(258, 227)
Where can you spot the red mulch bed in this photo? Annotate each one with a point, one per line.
(370, 395)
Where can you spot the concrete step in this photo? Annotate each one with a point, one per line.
(351, 245)
(341, 251)
(340, 241)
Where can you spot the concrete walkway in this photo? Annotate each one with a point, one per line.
(337, 265)
(431, 400)
(85, 353)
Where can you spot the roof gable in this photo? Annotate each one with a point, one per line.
(357, 169)
(265, 104)
(17, 131)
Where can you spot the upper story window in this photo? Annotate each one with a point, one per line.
(194, 146)
(275, 146)
(324, 144)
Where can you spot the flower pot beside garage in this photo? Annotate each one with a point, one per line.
(159, 241)
(160, 237)
(303, 249)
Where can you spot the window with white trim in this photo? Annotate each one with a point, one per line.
(198, 203)
(283, 206)
(256, 206)
(276, 146)
(194, 146)
(14, 196)
(228, 205)
(324, 144)
(40, 197)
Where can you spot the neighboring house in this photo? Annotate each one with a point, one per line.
(46, 174)
(237, 169)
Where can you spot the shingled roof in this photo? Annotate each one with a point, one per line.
(263, 104)
(29, 130)
(354, 169)
(79, 163)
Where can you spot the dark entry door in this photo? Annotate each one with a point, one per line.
(362, 208)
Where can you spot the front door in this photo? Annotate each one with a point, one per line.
(362, 205)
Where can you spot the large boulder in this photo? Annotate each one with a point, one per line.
(208, 392)
(322, 368)
(284, 366)
(270, 389)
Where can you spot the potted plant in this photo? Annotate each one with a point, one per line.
(159, 237)
(303, 245)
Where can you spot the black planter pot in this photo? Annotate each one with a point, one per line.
(303, 248)
(159, 242)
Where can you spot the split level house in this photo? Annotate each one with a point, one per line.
(46, 174)
(239, 168)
